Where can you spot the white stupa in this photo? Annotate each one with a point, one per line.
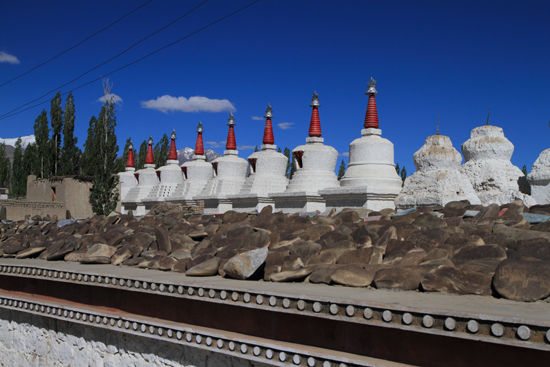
(488, 167)
(229, 176)
(370, 180)
(437, 179)
(267, 171)
(539, 178)
(170, 175)
(314, 165)
(127, 179)
(195, 173)
(147, 178)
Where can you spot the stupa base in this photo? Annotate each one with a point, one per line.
(251, 203)
(358, 197)
(298, 202)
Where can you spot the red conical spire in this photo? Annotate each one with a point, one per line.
(371, 117)
(199, 147)
(315, 123)
(130, 160)
(150, 158)
(231, 142)
(173, 155)
(268, 131)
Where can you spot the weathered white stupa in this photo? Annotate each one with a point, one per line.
(147, 178)
(229, 176)
(195, 173)
(437, 179)
(371, 180)
(539, 178)
(170, 175)
(314, 170)
(267, 171)
(127, 179)
(488, 167)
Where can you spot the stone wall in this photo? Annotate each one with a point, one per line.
(33, 340)
(18, 209)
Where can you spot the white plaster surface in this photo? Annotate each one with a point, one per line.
(170, 177)
(230, 178)
(32, 340)
(539, 178)
(437, 180)
(317, 171)
(198, 173)
(269, 175)
(371, 163)
(146, 181)
(359, 197)
(488, 167)
(127, 181)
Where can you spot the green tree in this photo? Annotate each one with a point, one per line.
(142, 155)
(42, 137)
(88, 161)
(256, 149)
(121, 162)
(56, 119)
(403, 175)
(286, 152)
(341, 170)
(104, 193)
(30, 165)
(19, 179)
(69, 162)
(292, 167)
(5, 167)
(160, 152)
(524, 170)
(397, 168)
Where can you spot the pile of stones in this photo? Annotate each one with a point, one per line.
(500, 251)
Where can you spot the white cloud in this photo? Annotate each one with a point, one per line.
(111, 96)
(345, 154)
(285, 125)
(257, 118)
(168, 103)
(246, 147)
(10, 59)
(215, 144)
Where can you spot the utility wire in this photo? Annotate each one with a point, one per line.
(111, 59)
(78, 44)
(5, 116)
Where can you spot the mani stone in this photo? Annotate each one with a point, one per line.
(437, 180)
(539, 178)
(448, 279)
(526, 281)
(488, 167)
(205, 269)
(244, 265)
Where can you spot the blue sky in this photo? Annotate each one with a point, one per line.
(455, 59)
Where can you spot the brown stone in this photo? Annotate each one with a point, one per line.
(95, 260)
(233, 217)
(291, 263)
(74, 256)
(166, 263)
(405, 278)
(413, 257)
(322, 273)
(151, 254)
(13, 249)
(100, 249)
(325, 257)
(291, 275)
(30, 252)
(396, 248)
(429, 220)
(305, 249)
(163, 240)
(427, 239)
(257, 239)
(448, 279)
(361, 256)
(519, 234)
(538, 248)
(205, 269)
(314, 233)
(59, 254)
(485, 252)
(352, 276)
(490, 211)
(525, 281)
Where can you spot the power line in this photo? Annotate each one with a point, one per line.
(78, 44)
(5, 116)
(111, 59)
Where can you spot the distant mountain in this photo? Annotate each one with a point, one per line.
(186, 154)
(25, 140)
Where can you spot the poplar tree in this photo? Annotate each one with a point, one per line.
(19, 181)
(42, 137)
(104, 193)
(341, 170)
(292, 168)
(142, 155)
(30, 164)
(160, 152)
(56, 119)
(89, 157)
(5, 167)
(286, 152)
(69, 162)
(403, 175)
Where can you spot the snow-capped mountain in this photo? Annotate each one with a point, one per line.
(186, 154)
(25, 140)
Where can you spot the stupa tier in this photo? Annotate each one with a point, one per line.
(370, 182)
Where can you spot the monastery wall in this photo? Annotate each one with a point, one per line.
(18, 209)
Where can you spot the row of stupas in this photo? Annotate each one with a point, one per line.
(370, 181)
